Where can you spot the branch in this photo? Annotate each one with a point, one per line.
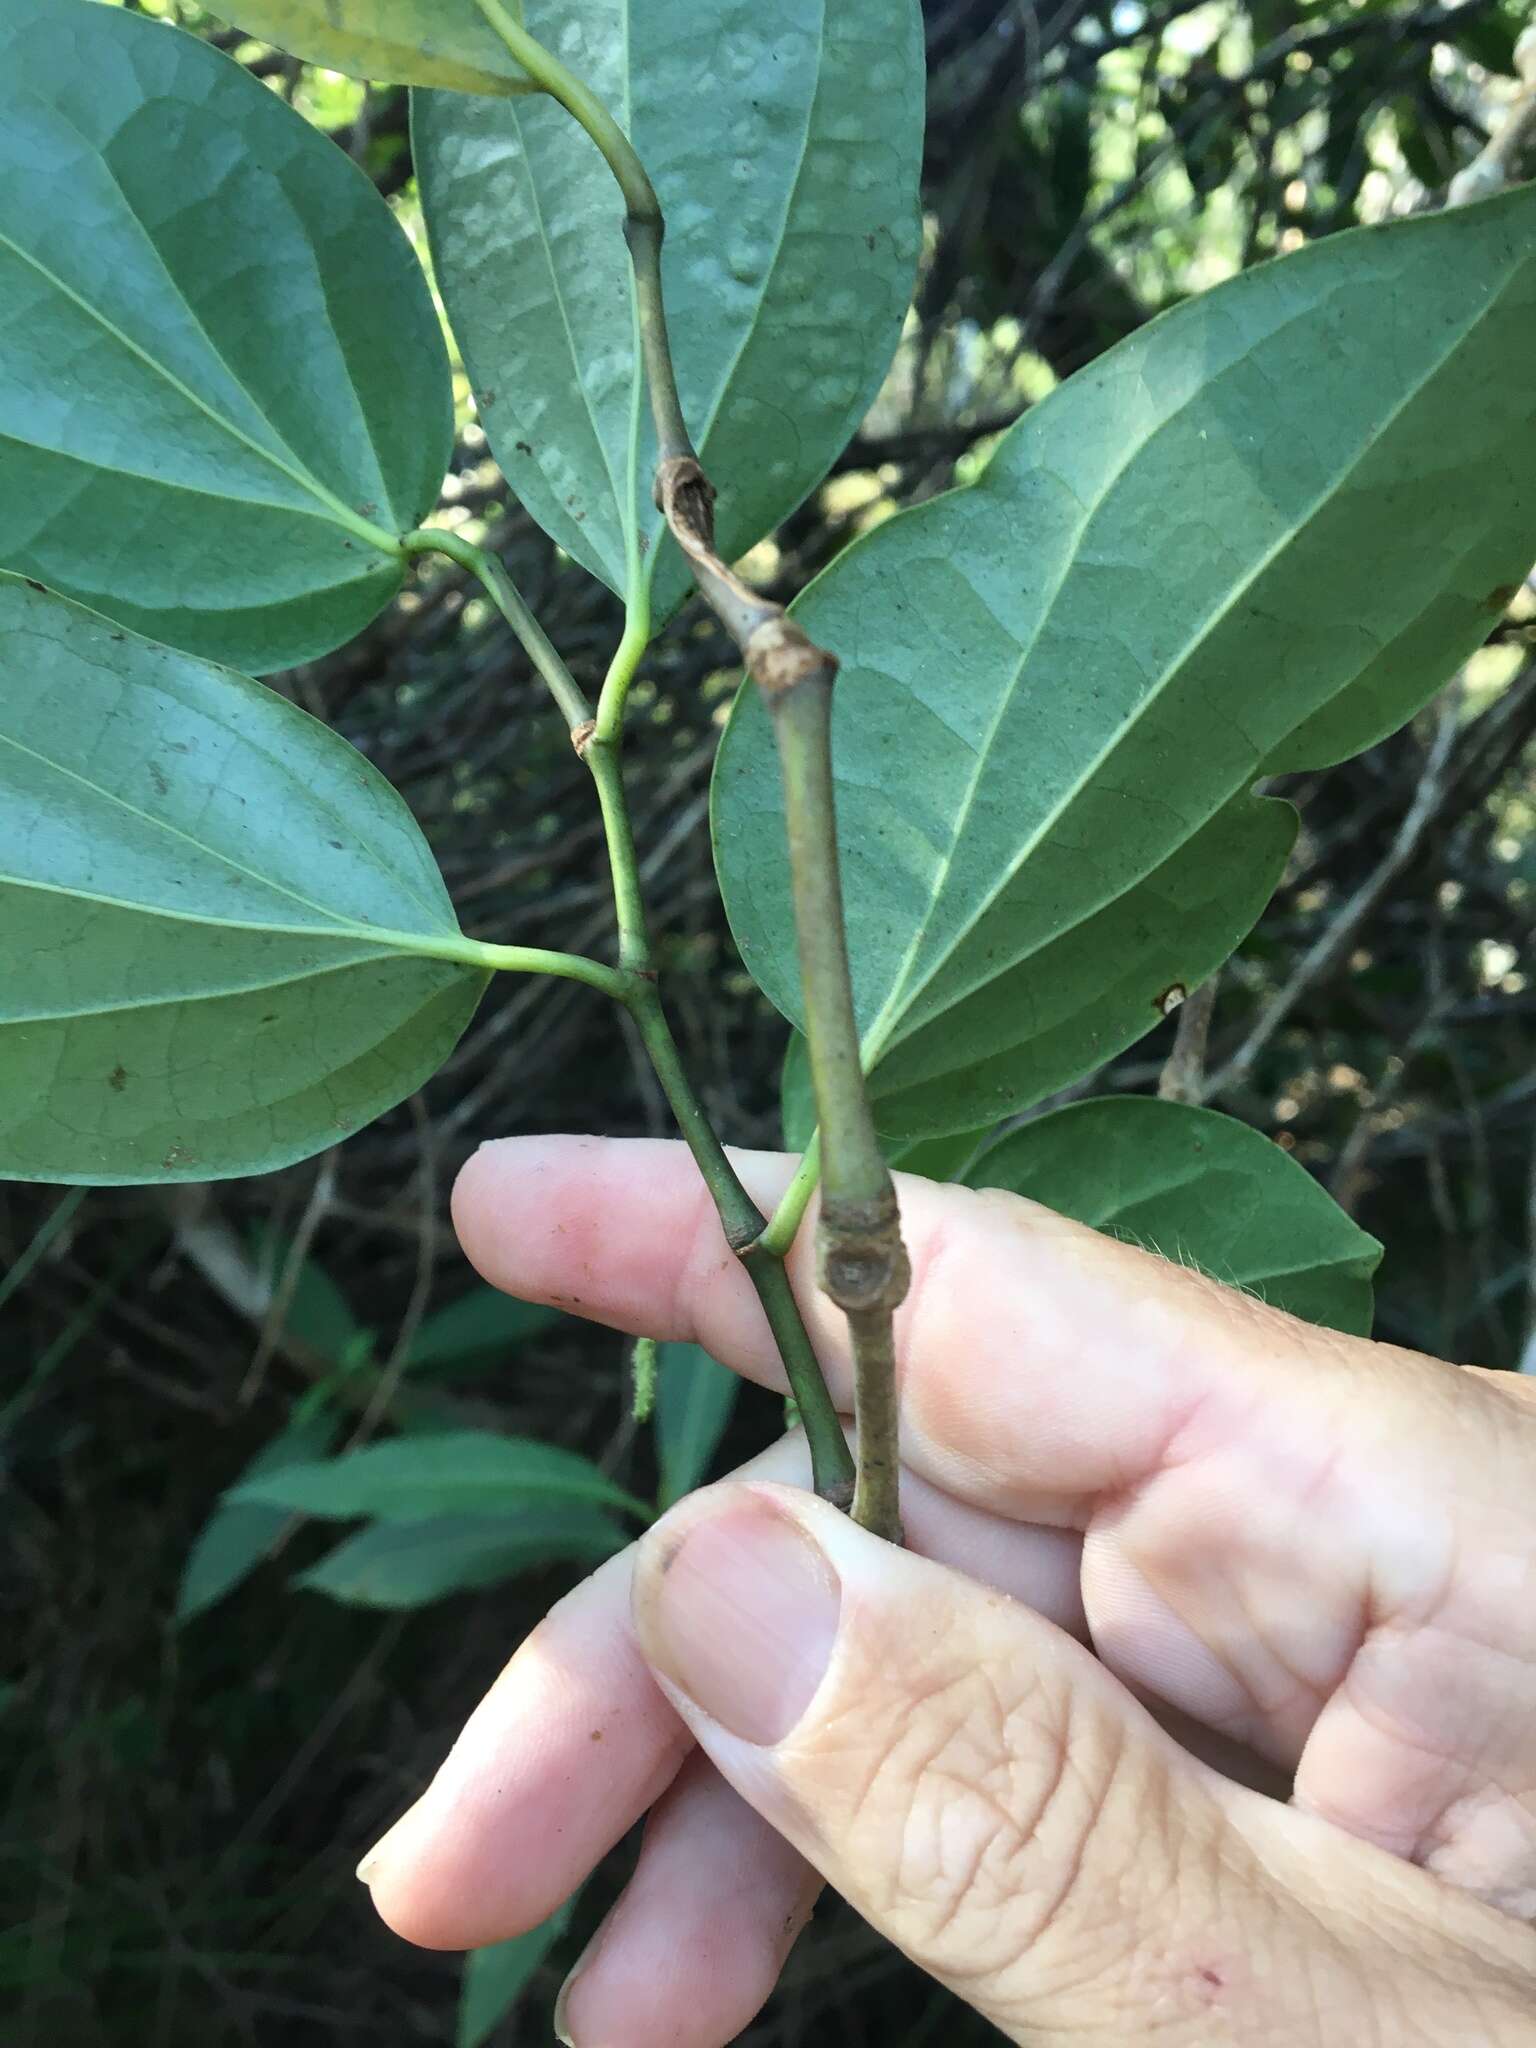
(861, 1258)
(1183, 1078)
(1511, 149)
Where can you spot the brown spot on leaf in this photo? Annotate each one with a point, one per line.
(596, 1735)
(522, 447)
(118, 1079)
(157, 777)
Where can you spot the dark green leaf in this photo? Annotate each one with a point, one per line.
(496, 1977)
(412, 1479)
(784, 143)
(235, 1539)
(694, 1399)
(223, 388)
(398, 42)
(1255, 536)
(227, 944)
(408, 1564)
(483, 1320)
(1202, 1190)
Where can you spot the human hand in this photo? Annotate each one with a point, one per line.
(1310, 1553)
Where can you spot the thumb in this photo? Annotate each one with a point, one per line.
(985, 1794)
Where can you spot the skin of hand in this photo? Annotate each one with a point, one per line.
(1311, 1557)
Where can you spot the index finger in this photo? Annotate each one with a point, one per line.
(1044, 1367)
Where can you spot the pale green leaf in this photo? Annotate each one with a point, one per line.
(235, 1539)
(694, 1400)
(223, 388)
(1254, 536)
(1201, 1189)
(938, 1158)
(398, 42)
(495, 1978)
(784, 143)
(407, 1564)
(227, 944)
(460, 1472)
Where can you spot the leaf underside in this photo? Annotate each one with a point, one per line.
(1255, 536)
(210, 910)
(394, 42)
(784, 144)
(1201, 1189)
(223, 387)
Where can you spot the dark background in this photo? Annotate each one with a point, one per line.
(180, 1810)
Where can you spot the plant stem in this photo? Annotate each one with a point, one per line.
(784, 1224)
(643, 224)
(686, 497)
(509, 601)
(863, 1260)
(831, 1466)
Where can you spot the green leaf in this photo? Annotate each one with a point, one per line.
(939, 1158)
(784, 143)
(1255, 536)
(407, 1564)
(460, 1472)
(235, 1539)
(1201, 1189)
(227, 944)
(496, 1977)
(484, 1320)
(223, 388)
(397, 42)
(694, 1399)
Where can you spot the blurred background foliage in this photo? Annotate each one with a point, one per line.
(187, 1785)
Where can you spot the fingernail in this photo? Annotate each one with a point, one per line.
(563, 2032)
(740, 1610)
(374, 1861)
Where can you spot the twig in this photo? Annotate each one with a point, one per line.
(1511, 149)
(1321, 959)
(321, 1192)
(1183, 1077)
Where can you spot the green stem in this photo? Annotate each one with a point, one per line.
(509, 601)
(831, 1465)
(643, 224)
(863, 1260)
(784, 1224)
(603, 757)
(610, 981)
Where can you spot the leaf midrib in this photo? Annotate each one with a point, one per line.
(334, 920)
(333, 507)
(903, 998)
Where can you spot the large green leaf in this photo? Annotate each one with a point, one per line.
(694, 1398)
(401, 42)
(1255, 536)
(784, 142)
(495, 1978)
(408, 1564)
(226, 943)
(1201, 1189)
(461, 1472)
(223, 388)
